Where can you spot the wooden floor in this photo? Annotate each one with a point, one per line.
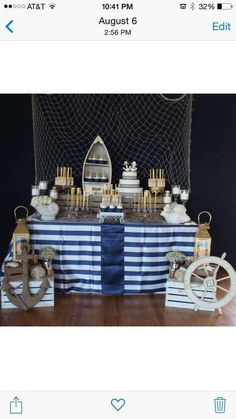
(96, 310)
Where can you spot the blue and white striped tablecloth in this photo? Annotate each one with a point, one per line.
(78, 262)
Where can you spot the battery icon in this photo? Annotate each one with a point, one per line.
(224, 6)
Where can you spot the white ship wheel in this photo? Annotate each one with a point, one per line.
(217, 276)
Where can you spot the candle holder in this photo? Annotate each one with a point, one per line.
(54, 193)
(156, 181)
(35, 190)
(184, 196)
(43, 185)
(176, 192)
(167, 198)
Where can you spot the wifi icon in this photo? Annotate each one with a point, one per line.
(52, 5)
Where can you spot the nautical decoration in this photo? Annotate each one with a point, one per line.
(130, 167)
(21, 235)
(217, 276)
(175, 214)
(97, 168)
(25, 300)
(46, 207)
(203, 238)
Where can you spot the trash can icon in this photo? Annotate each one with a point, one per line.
(220, 404)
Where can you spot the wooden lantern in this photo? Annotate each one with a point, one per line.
(21, 236)
(203, 238)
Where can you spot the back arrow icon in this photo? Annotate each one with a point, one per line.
(8, 26)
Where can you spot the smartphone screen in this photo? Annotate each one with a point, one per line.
(118, 283)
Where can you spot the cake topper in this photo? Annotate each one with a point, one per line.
(130, 167)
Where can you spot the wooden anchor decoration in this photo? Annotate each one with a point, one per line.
(25, 300)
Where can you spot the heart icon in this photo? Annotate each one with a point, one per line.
(118, 404)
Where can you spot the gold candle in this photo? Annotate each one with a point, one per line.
(77, 197)
(57, 171)
(72, 191)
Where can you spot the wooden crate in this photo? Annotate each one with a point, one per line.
(176, 295)
(47, 300)
(95, 201)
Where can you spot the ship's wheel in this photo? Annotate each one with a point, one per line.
(210, 282)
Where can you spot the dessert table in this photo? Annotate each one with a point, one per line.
(111, 258)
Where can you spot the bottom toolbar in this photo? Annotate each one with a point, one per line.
(181, 405)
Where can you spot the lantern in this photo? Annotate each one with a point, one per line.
(203, 238)
(21, 236)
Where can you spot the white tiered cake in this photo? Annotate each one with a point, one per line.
(129, 184)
